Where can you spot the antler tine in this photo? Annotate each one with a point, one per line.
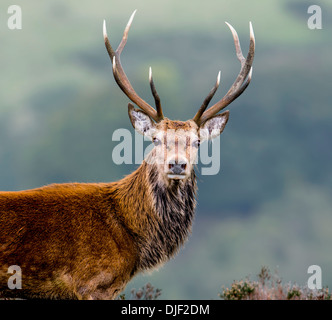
(207, 99)
(125, 33)
(241, 82)
(155, 95)
(245, 63)
(120, 76)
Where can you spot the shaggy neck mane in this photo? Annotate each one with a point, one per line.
(165, 212)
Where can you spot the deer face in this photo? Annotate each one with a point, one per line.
(176, 143)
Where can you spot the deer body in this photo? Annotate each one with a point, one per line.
(87, 240)
(55, 235)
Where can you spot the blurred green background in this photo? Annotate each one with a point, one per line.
(271, 202)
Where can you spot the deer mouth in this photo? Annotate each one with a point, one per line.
(176, 176)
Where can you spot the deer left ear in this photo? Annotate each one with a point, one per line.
(214, 126)
(141, 121)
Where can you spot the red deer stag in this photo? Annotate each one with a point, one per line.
(87, 240)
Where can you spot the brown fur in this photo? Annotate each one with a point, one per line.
(167, 124)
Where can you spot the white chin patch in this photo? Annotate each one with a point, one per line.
(176, 176)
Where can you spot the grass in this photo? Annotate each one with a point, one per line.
(270, 287)
(147, 292)
(267, 287)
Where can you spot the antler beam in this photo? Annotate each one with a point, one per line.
(240, 84)
(122, 80)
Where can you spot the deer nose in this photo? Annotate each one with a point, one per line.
(177, 167)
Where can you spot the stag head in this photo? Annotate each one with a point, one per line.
(176, 142)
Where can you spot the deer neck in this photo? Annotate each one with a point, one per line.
(159, 214)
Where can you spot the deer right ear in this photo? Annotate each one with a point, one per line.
(141, 121)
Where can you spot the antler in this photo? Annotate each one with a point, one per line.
(240, 84)
(122, 80)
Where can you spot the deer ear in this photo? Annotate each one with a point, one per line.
(141, 121)
(214, 126)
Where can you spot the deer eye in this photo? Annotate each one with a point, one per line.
(196, 143)
(156, 141)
